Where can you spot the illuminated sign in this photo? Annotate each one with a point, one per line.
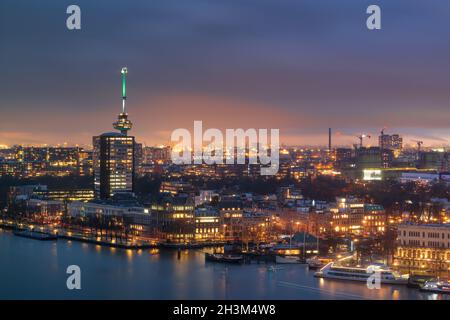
(370, 174)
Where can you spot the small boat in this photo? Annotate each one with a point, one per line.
(227, 258)
(273, 268)
(436, 286)
(315, 263)
(35, 235)
(417, 281)
(362, 274)
(287, 259)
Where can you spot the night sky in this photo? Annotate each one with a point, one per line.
(301, 66)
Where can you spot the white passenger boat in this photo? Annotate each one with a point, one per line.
(332, 271)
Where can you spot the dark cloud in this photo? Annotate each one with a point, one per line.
(311, 60)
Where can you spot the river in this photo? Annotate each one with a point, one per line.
(32, 269)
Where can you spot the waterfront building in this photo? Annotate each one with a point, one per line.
(115, 206)
(231, 217)
(423, 247)
(351, 216)
(256, 226)
(123, 207)
(174, 217)
(45, 208)
(113, 160)
(25, 192)
(207, 224)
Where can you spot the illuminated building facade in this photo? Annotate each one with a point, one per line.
(113, 160)
(319, 222)
(174, 217)
(132, 216)
(65, 195)
(256, 226)
(352, 216)
(85, 163)
(176, 187)
(45, 208)
(423, 247)
(207, 224)
(160, 154)
(40, 161)
(231, 216)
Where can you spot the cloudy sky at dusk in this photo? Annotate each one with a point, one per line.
(298, 65)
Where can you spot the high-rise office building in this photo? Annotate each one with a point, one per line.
(113, 159)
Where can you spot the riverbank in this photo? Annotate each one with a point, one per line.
(59, 233)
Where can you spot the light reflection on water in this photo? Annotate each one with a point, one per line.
(33, 269)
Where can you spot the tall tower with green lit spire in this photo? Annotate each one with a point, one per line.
(123, 124)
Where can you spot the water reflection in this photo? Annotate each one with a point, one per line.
(37, 270)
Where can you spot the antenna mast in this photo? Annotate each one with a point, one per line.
(124, 87)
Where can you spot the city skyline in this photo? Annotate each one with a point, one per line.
(299, 67)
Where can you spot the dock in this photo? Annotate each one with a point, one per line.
(35, 235)
(112, 244)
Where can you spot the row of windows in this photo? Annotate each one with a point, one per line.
(423, 254)
(356, 276)
(206, 230)
(434, 235)
(432, 244)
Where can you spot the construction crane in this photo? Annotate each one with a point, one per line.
(361, 137)
(419, 147)
(381, 143)
(381, 139)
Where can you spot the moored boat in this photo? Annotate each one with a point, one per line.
(287, 259)
(315, 263)
(227, 258)
(35, 235)
(417, 281)
(362, 274)
(437, 286)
